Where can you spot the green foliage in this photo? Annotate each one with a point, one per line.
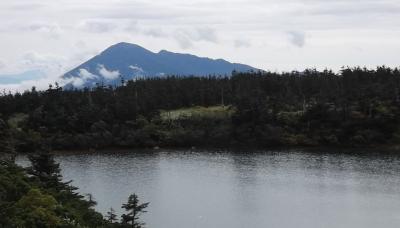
(37, 197)
(6, 142)
(37, 210)
(355, 107)
(41, 199)
(134, 209)
(214, 112)
(46, 170)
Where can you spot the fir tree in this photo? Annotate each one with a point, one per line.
(134, 210)
(111, 216)
(46, 170)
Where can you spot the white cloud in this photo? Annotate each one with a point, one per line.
(85, 74)
(136, 68)
(110, 75)
(155, 32)
(132, 26)
(297, 38)
(239, 43)
(183, 39)
(53, 30)
(77, 82)
(26, 6)
(187, 37)
(137, 71)
(98, 26)
(45, 62)
(205, 34)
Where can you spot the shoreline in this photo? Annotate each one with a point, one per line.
(242, 148)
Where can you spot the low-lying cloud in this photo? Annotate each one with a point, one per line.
(108, 74)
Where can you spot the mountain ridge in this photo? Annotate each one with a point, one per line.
(129, 61)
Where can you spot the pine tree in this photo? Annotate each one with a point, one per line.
(111, 216)
(134, 209)
(91, 200)
(46, 170)
(6, 145)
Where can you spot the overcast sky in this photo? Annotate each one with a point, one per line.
(53, 36)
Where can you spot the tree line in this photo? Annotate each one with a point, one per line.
(354, 107)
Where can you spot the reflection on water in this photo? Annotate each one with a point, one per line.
(245, 189)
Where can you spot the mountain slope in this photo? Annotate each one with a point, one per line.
(130, 61)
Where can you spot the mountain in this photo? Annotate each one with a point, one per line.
(131, 61)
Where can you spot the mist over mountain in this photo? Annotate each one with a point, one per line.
(129, 61)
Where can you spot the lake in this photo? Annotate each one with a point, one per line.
(244, 189)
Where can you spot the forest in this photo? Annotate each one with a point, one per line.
(355, 107)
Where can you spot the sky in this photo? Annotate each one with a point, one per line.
(42, 39)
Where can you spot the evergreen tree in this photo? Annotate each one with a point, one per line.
(6, 145)
(91, 200)
(134, 210)
(46, 170)
(111, 216)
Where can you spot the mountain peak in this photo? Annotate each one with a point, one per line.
(164, 52)
(131, 61)
(125, 47)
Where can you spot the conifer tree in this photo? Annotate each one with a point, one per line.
(46, 170)
(111, 216)
(134, 210)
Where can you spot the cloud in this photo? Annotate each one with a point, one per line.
(349, 8)
(136, 68)
(155, 33)
(183, 40)
(52, 30)
(34, 60)
(297, 38)
(137, 71)
(110, 75)
(131, 26)
(26, 6)
(85, 74)
(97, 26)
(2, 65)
(187, 37)
(240, 43)
(79, 80)
(205, 34)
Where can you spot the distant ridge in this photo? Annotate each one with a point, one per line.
(131, 61)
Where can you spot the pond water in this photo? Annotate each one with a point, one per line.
(243, 189)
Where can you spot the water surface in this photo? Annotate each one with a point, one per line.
(242, 189)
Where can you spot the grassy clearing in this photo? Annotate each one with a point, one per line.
(16, 119)
(215, 112)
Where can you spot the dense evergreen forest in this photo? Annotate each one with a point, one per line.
(355, 107)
